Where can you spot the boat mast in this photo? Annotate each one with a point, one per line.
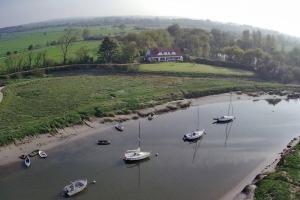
(198, 119)
(139, 134)
(230, 104)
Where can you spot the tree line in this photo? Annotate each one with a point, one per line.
(267, 55)
(270, 56)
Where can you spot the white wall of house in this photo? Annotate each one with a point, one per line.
(167, 56)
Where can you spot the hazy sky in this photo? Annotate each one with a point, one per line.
(280, 15)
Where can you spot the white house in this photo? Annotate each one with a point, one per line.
(222, 57)
(164, 55)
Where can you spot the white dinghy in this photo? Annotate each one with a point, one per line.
(75, 187)
(42, 154)
(119, 127)
(27, 161)
(136, 154)
(195, 135)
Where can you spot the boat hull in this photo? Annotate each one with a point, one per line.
(224, 119)
(194, 135)
(103, 142)
(136, 156)
(75, 187)
(22, 156)
(34, 153)
(42, 154)
(27, 161)
(119, 128)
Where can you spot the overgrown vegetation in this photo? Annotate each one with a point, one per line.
(42, 105)
(284, 184)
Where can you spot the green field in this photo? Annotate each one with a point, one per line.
(55, 54)
(19, 41)
(41, 105)
(284, 183)
(191, 68)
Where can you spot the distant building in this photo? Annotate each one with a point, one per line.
(164, 55)
(222, 57)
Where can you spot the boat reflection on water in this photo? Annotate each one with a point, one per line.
(196, 148)
(227, 132)
(137, 165)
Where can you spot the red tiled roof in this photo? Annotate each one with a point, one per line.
(154, 51)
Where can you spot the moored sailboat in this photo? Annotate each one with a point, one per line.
(226, 118)
(136, 154)
(195, 135)
(75, 187)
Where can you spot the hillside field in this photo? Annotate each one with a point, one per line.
(19, 41)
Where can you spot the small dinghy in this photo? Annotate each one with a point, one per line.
(42, 154)
(75, 187)
(27, 161)
(103, 142)
(119, 127)
(34, 153)
(224, 119)
(194, 135)
(151, 116)
(22, 156)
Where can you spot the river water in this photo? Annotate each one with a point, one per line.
(205, 170)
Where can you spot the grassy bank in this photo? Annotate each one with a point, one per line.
(193, 69)
(284, 184)
(42, 105)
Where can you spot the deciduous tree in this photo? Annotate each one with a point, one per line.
(69, 36)
(107, 50)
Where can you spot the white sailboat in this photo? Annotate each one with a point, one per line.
(197, 134)
(75, 187)
(226, 118)
(136, 154)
